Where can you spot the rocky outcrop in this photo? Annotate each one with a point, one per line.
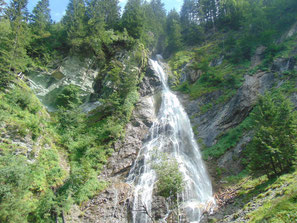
(73, 70)
(217, 61)
(258, 56)
(284, 64)
(222, 117)
(113, 204)
(230, 161)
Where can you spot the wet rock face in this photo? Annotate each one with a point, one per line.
(150, 83)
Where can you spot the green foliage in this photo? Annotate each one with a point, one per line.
(75, 23)
(273, 148)
(15, 183)
(6, 49)
(69, 97)
(132, 19)
(170, 180)
(173, 31)
(28, 176)
(275, 198)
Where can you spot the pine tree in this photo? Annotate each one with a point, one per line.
(132, 19)
(107, 11)
(173, 30)
(154, 23)
(192, 32)
(41, 18)
(75, 23)
(18, 15)
(273, 148)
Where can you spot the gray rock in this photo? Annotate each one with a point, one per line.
(159, 208)
(113, 205)
(150, 83)
(222, 117)
(231, 161)
(283, 64)
(47, 85)
(258, 56)
(110, 206)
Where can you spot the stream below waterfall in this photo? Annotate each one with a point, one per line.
(171, 134)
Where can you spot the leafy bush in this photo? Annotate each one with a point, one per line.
(170, 180)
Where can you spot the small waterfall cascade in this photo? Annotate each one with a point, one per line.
(171, 134)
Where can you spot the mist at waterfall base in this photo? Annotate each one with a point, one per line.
(172, 134)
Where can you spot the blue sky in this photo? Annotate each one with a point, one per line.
(58, 6)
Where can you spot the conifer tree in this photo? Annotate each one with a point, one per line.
(75, 23)
(155, 19)
(273, 148)
(18, 15)
(132, 19)
(41, 16)
(107, 11)
(173, 30)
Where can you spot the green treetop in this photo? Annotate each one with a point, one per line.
(132, 18)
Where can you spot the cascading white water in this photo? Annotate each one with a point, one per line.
(172, 134)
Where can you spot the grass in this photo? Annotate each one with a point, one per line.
(226, 76)
(283, 206)
(263, 199)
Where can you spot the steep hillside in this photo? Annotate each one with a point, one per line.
(222, 99)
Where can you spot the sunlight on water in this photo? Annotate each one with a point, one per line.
(172, 134)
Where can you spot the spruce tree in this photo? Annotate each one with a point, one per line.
(173, 30)
(41, 18)
(132, 19)
(272, 151)
(75, 23)
(18, 15)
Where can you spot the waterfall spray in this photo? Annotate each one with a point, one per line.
(172, 134)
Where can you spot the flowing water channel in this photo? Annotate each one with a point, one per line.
(171, 134)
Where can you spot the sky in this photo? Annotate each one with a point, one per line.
(58, 7)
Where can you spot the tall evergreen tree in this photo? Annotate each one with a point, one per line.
(173, 30)
(104, 10)
(132, 18)
(75, 22)
(273, 148)
(40, 47)
(155, 19)
(2, 7)
(41, 16)
(18, 15)
(192, 32)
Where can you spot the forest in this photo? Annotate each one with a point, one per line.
(43, 184)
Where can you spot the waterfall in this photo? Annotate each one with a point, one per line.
(172, 134)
